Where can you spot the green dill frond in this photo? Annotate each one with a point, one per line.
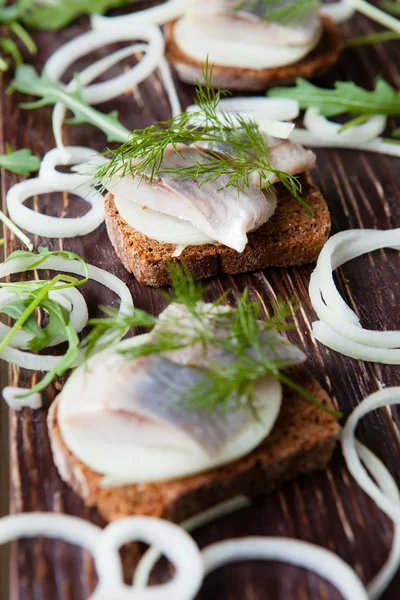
(234, 153)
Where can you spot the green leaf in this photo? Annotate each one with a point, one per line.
(21, 162)
(346, 97)
(27, 81)
(373, 38)
(393, 7)
(54, 18)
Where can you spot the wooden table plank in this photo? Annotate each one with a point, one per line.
(326, 508)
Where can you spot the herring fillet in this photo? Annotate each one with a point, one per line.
(234, 19)
(223, 214)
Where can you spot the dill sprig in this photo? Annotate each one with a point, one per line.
(247, 346)
(243, 160)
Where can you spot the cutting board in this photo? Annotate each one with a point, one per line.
(325, 508)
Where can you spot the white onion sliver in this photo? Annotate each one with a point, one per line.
(36, 362)
(160, 227)
(54, 227)
(157, 15)
(327, 130)
(79, 46)
(324, 563)
(152, 555)
(339, 11)
(70, 298)
(173, 541)
(339, 327)
(306, 138)
(71, 155)
(12, 395)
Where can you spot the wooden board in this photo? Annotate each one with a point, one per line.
(327, 508)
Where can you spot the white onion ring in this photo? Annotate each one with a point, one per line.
(79, 46)
(37, 362)
(71, 155)
(339, 327)
(160, 227)
(177, 545)
(339, 12)
(327, 130)
(152, 555)
(378, 145)
(54, 227)
(12, 395)
(70, 298)
(323, 562)
(157, 15)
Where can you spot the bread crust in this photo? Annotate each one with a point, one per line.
(324, 56)
(291, 237)
(301, 441)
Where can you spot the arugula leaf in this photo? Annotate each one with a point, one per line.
(54, 17)
(346, 97)
(373, 38)
(27, 81)
(21, 162)
(393, 7)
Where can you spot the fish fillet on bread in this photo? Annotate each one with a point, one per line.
(249, 52)
(125, 445)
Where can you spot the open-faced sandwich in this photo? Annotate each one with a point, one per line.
(215, 190)
(255, 44)
(210, 404)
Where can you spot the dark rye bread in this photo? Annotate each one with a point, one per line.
(319, 60)
(291, 237)
(301, 441)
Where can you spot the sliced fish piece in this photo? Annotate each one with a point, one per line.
(234, 20)
(223, 214)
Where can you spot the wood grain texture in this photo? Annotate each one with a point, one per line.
(362, 190)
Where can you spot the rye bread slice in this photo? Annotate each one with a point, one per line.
(291, 237)
(324, 56)
(301, 441)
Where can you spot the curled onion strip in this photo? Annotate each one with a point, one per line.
(302, 554)
(152, 555)
(339, 327)
(12, 395)
(378, 145)
(339, 12)
(157, 15)
(173, 541)
(70, 298)
(36, 362)
(327, 130)
(71, 155)
(54, 227)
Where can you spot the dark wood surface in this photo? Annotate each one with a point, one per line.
(327, 508)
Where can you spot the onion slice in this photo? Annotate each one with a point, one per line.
(54, 227)
(37, 362)
(378, 145)
(152, 555)
(71, 155)
(302, 554)
(339, 327)
(157, 15)
(12, 395)
(339, 12)
(327, 130)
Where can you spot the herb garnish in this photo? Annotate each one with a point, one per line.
(34, 295)
(29, 82)
(224, 385)
(22, 162)
(290, 12)
(247, 157)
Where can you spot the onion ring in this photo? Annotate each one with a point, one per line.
(12, 395)
(378, 145)
(323, 562)
(71, 155)
(339, 327)
(54, 227)
(157, 15)
(324, 129)
(177, 545)
(339, 12)
(37, 362)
